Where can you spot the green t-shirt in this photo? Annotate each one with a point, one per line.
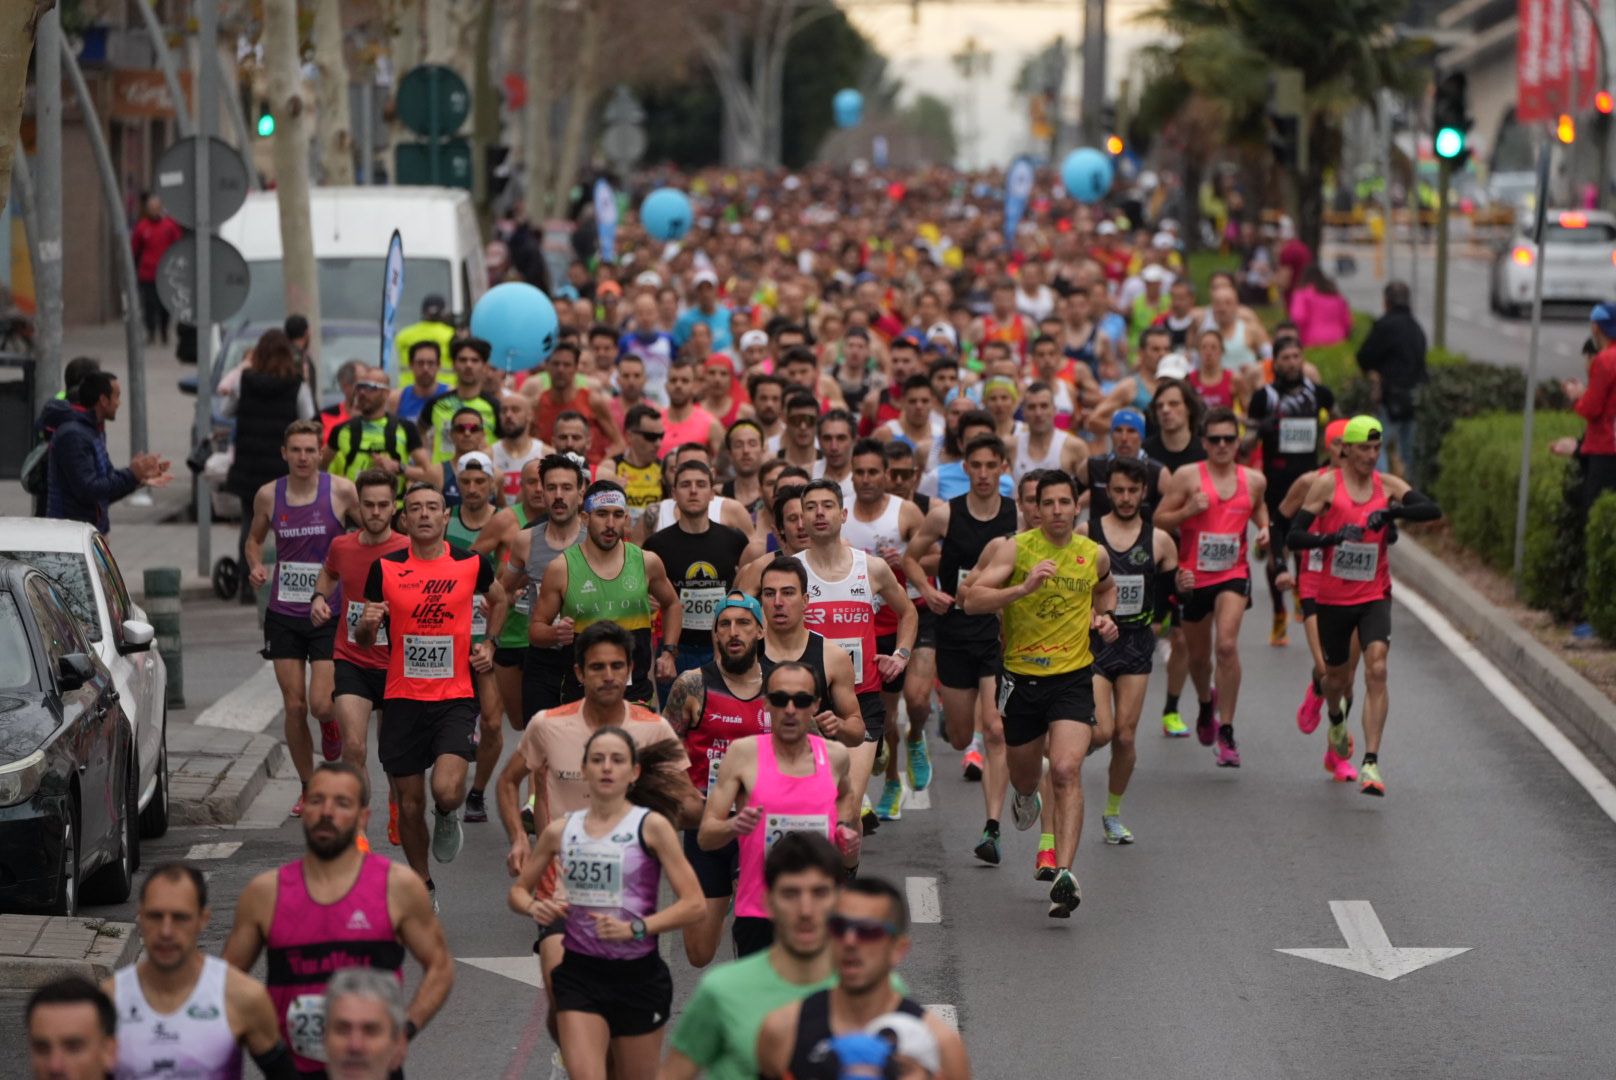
(718, 1029)
(438, 416)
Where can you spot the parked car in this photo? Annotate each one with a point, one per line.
(1580, 262)
(78, 559)
(68, 782)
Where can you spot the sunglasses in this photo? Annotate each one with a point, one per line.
(865, 930)
(900, 474)
(1221, 440)
(370, 386)
(800, 700)
(803, 420)
(654, 436)
(468, 429)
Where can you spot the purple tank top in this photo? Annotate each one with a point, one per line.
(302, 536)
(614, 874)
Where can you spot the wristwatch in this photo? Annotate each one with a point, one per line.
(638, 928)
(669, 647)
(901, 654)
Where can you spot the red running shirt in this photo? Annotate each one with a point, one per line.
(349, 562)
(1212, 544)
(429, 606)
(1354, 573)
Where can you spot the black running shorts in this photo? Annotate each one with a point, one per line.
(1030, 703)
(1372, 622)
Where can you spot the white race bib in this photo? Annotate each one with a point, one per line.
(777, 825)
(428, 656)
(356, 608)
(1355, 562)
(701, 605)
(1315, 560)
(1298, 434)
(1217, 551)
(295, 581)
(524, 601)
(1130, 594)
(594, 878)
(479, 617)
(305, 1026)
(855, 649)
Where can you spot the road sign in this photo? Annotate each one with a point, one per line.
(1369, 951)
(176, 279)
(447, 163)
(433, 101)
(176, 181)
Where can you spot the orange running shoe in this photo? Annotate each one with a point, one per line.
(1044, 868)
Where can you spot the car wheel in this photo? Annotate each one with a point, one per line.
(113, 883)
(154, 819)
(66, 901)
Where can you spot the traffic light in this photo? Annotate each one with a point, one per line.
(1565, 129)
(1113, 145)
(1450, 119)
(266, 120)
(1603, 102)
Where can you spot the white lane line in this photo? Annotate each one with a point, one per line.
(1564, 750)
(916, 800)
(224, 850)
(925, 904)
(946, 1013)
(1463, 312)
(252, 706)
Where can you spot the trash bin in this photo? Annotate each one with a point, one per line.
(16, 412)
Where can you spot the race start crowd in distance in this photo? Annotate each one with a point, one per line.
(839, 474)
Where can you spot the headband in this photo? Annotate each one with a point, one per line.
(604, 500)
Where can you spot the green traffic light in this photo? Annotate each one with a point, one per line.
(1450, 143)
(266, 125)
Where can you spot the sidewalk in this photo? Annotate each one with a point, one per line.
(37, 949)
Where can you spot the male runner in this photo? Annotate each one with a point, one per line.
(607, 578)
(468, 433)
(684, 420)
(743, 443)
(182, 1013)
(1211, 504)
(426, 382)
(882, 525)
(476, 388)
(721, 510)
(572, 436)
(701, 558)
(334, 908)
(630, 380)
(564, 395)
(72, 1030)
(786, 781)
(515, 446)
(768, 393)
(500, 539)
(1054, 587)
(1127, 439)
(365, 1033)
(306, 510)
(426, 595)
(639, 467)
(1354, 508)
(783, 591)
(800, 445)
(843, 584)
(869, 937)
(1142, 561)
(918, 425)
(836, 433)
(370, 438)
(1041, 445)
(920, 680)
(968, 645)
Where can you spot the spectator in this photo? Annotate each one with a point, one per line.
(1295, 258)
(83, 482)
(1393, 356)
(72, 1031)
(268, 397)
(154, 233)
(705, 310)
(301, 335)
(51, 416)
(1595, 402)
(334, 416)
(366, 1032)
(1319, 311)
(436, 324)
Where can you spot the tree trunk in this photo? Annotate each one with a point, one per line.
(331, 118)
(485, 110)
(585, 79)
(18, 19)
(1190, 227)
(536, 163)
(291, 154)
(403, 53)
(440, 36)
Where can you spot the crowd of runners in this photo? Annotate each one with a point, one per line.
(838, 476)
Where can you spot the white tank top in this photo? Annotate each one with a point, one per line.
(844, 613)
(1236, 353)
(194, 1043)
(510, 465)
(1022, 461)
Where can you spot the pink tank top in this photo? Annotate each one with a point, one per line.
(1354, 573)
(1213, 543)
(1309, 566)
(309, 941)
(788, 804)
(693, 428)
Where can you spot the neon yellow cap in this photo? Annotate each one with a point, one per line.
(1360, 429)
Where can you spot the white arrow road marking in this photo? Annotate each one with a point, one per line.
(522, 969)
(1369, 951)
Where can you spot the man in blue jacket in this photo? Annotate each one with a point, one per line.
(83, 482)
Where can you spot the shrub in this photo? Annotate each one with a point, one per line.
(1464, 389)
(1601, 554)
(1338, 367)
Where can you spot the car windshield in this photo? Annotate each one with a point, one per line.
(71, 572)
(16, 659)
(349, 288)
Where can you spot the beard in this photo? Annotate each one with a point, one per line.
(740, 665)
(509, 431)
(328, 846)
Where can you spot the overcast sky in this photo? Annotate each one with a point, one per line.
(919, 55)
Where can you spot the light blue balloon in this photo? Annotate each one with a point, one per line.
(848, 106)
(519, 321)
(666, 213)
(1087, 174)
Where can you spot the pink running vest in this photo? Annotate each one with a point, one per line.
(788, 804)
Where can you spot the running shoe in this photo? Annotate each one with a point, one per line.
(447, 835)
(392, 822)
(1043, 868)
(972, 763)
(1173, 725)
(1370, 781)
(527, 816)
(919, 764)
(867, 819)
(1206, 721)
(362, 842)
(1228, 756)
(1064, 896)
(1115, 831)
(1339, 766)
(1340, 740)
(476, 808)
(432, 891)
(890, 806)
(297, 807)
(1026, 809)
(330, 740)
(1278, 634)
(987, 848)
(1310, 711)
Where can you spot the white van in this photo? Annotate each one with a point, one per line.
(443, 250)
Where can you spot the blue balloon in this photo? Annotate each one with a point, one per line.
(666, 213)
(848, 106)
(519, 321)
(1087, 174)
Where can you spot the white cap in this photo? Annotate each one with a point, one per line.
(1154, 275)
(1164, 241)
(649, 277)
(1106, 228)
(475, 459)
(754, 338)
(705, 277)
(791, 183)
(943, 330)
(1173, 366)
(909, 1038)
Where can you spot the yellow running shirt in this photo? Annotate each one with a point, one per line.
(1047, 632)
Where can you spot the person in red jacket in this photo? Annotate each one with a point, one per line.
(1595, 402)
(152, 235)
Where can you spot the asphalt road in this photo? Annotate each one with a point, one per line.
(1170, 968)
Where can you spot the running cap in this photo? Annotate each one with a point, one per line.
(719, 360)
(609, 288)
(1361, 429)
(649, 278)
(1173, 366)
(704, 277)
(746, 603)
(1128, 418)
(909, 1038)
(475, 459)
(942, 330)
(1604, 317)
(754, 339)
(1154, 275)
(605, 500)
(1335, 430)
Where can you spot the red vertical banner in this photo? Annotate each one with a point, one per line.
(1584, 50)
(1530, 106)
(1553, 50)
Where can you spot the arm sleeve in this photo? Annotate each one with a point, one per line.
(276, 1063)
(1416, 507)
(1301, 535)
(1165, 585)
(373, 582)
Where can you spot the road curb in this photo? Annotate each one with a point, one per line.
(215, 774)
(1547, 679)
(55, 947)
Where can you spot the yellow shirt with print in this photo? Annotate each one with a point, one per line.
(1047, 631)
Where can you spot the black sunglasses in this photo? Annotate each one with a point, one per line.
(800, 700)
(1221, 440)
(862, 929)
(652, 435)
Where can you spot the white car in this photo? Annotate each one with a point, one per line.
(78, 558)
(1579, 262)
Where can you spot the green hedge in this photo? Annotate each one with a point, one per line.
(1601, 551)
(1462, 389)
(1480, 468)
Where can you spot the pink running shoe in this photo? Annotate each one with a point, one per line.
(330, 740)
(1228, 757)
(1341, 769)
(1206, 727)
(1310, 711)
